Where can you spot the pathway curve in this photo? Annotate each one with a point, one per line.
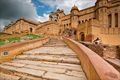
(53, 61)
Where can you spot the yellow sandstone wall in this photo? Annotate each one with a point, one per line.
(7, 35)
(48, 28)
(92, 30)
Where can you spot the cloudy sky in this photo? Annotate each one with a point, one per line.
(36, 10)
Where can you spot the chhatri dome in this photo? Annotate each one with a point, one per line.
(74, 8)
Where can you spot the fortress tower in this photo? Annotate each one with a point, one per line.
(101, 12)
(74, 17)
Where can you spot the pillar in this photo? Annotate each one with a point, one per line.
(113, 20)
(119, 19)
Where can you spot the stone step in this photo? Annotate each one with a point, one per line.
(54, 53)
(64, 51)
(51, 58)
(54, 76)
(8, 77)
(17, 76)
(36, 67)
(74, 67)
(39, 70)
(53, 61)
(33, 72)
(55, 45)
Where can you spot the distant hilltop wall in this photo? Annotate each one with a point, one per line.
(4, 35)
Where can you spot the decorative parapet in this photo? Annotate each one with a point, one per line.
(92, 22)
(94, 66)
(14, 49)
(109, 30)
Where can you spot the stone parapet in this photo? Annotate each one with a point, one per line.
(14, 49)
(94, 66)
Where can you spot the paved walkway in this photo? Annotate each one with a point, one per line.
(53, 61)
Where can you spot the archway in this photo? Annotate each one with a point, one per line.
(30, 30)
(82, 36)
(75, 32)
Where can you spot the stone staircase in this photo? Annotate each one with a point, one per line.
(53, 61)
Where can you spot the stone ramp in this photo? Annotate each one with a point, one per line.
(44, 63)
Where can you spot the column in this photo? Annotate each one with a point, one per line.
(119, 19)
(113, 20)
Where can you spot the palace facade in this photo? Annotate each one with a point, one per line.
(101, 20)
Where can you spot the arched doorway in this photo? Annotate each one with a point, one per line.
(82, 36)
(30, 30)
(75, 32)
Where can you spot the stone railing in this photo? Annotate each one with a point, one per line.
(9, 51)
(94, 66)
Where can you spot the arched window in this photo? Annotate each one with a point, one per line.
(116, 19)
(79, 22)
(56, 20)
(30, 30)
(82, 21)
(75, 32)
(109, 20)
(105, 10)
(64, 26)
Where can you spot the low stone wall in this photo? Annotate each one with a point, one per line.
(7, 35)
(103, 50)
(94, 47)
(94, 66)
(17, 48)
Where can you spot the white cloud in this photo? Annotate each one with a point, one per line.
(15, 9)
(66, 5)
(44, 18)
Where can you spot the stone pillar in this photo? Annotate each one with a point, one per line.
(119, 19)
(113, 20)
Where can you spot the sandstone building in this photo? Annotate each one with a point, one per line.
(101, 20)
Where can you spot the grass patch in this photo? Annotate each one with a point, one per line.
(13, 39)
(34, 36)
(17, 39)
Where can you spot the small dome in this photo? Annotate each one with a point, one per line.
(52, 12)
(58, 9)
(12, 21)
(74, 8)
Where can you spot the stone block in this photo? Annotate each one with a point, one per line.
(53, 76)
